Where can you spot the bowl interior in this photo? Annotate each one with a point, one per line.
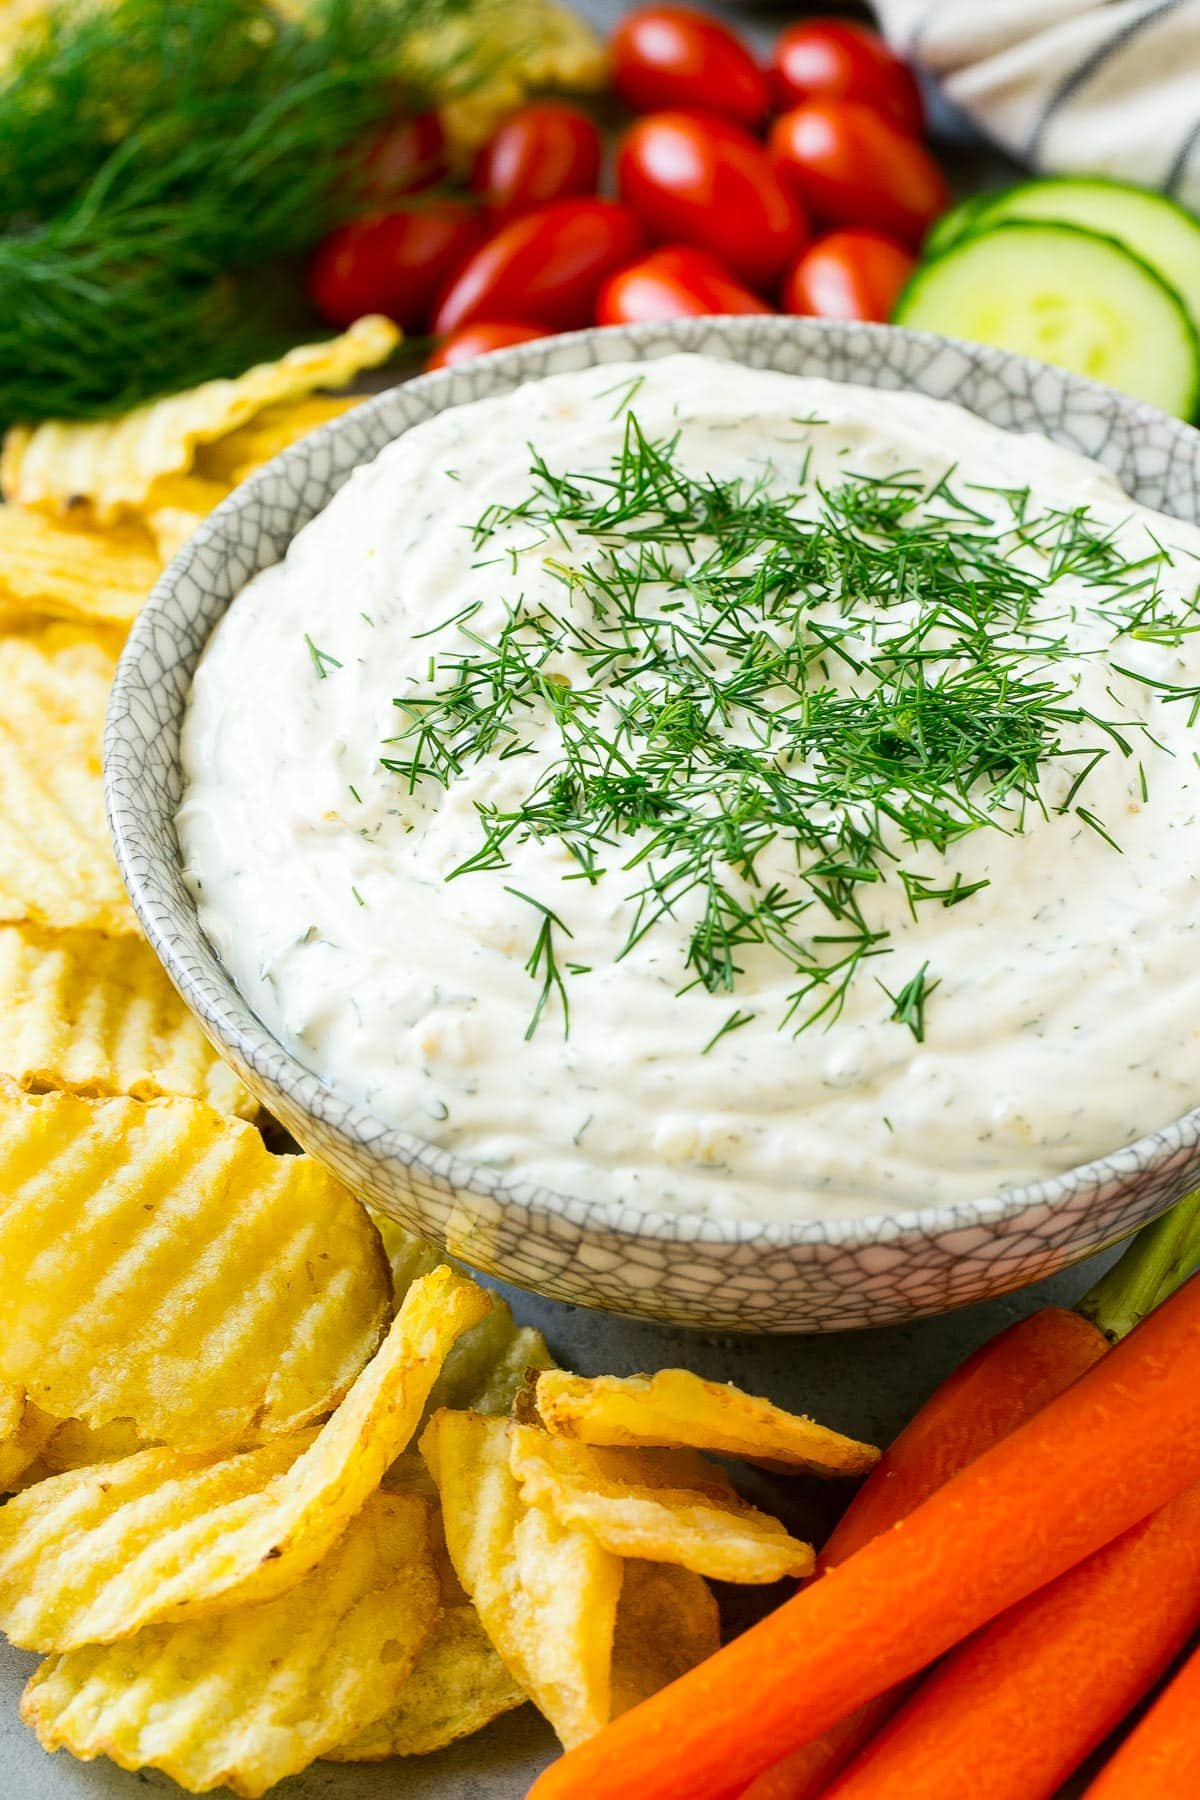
(1155, 458)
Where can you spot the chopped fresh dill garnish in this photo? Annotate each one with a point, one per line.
(908, 1006)
(543, 963)
(732, 1023)
(320, 658)
(356, 793)
(357, 895)
(781, 692)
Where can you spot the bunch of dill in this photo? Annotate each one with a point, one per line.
(159, 162)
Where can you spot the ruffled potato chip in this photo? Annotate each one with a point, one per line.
(483, 63)
(59, 572)
(239, 453)
(488, 1365)
(676, 1409)
(409, 1256)
(113, 464)
(102, 1553)
(458, 1685)
(667, 1506)
(56, 864)
(74, 1445)
(25, 1432)
(96, 1015)
(667, 1622)
(545, 1595)
(256, 1694)
(158, 1264)
(177, 506)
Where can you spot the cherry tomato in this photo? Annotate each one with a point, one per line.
(405, 157)
(674, 56)
(695, 178)
(546, 266)
(848, 275)
(395, 262)
(544, 152)
(854, 168)
(832, 59)
(675, 282)
(479, 339)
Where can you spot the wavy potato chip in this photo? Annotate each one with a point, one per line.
(667, 1622)
(481, 65)
(458, 1685)
(176, 507)
(96, 1015)
(256, 1694)
(25, 1432)
(239, 453)
(489, 1364)
(545, 1595)
(675, 1409)
(99, 1555)
(409, 1256)
(56, 865)
(57, 571)
(113, 464)
(74, 1445)
(158, 1264)
(667, 1506)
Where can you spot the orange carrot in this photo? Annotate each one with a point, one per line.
(1005, 1382)
(1116, 1446)
(1161, 1756)
(1013, 1711)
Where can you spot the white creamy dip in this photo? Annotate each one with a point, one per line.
(931, 598)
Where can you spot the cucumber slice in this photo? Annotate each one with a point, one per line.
(1157, 229)
(1065, 296)
(961, 219)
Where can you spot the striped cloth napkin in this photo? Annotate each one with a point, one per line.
(1064, 85)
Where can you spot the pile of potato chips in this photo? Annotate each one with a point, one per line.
(283, 1484)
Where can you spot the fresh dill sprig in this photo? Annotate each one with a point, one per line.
(157, 157)
(708, 734)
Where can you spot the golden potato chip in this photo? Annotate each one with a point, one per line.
(667, 1622)
(158, 1264)
(113, 464)
(74, 1445)
(56, 865)
(488, 1364)
(409, 1256)
(96, 1015)
(546, 1595)
(235, 456)
(675, 1408)
(99, 1554)
(24, 1433)
(480, 65)
(458, 1685)
(666, 1506)
(176, 507)
(55, 570)
(256, 1694)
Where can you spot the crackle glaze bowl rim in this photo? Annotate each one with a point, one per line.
(891, 357)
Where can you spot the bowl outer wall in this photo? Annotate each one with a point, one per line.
(809, 1275)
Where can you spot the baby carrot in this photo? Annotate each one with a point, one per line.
(1161, 1756)
(1013, 1712)
(1116, 1446)
(1004, 1383)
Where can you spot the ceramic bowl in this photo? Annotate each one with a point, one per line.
(807, 1276)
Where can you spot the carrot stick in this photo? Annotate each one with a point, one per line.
(1005, 1382)
(1002, 1384)
(1120, 1443)
(1161, 1756)
(1013, 1711)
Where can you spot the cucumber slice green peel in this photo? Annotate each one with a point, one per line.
(1152, 225)
(1063, 295)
